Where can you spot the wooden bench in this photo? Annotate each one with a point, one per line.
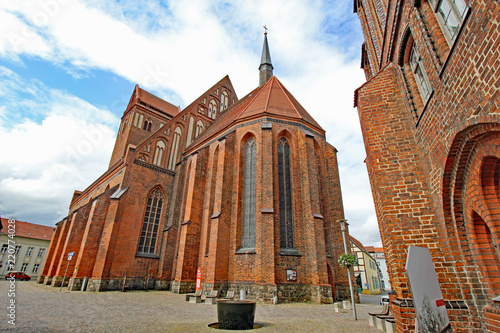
(212, 298)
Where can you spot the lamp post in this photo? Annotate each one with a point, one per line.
(343, 224)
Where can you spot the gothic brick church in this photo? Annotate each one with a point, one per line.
(430, 117)
(246, 190)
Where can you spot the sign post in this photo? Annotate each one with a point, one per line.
(70, 255)
(198, 279)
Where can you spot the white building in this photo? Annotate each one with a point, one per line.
(29, 246)
(379, 255)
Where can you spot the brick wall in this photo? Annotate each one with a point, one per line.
(433, 164)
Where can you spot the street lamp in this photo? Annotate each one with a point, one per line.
(343, 224)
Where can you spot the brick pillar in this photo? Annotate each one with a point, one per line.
(187, 260)
(264, 242)
(51, 253)
(311, 213)
(83, 244)
(218, 253)
(103, 253)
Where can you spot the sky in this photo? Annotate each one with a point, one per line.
(68, 69)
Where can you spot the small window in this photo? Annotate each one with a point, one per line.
(24, 267)
(224, 101)
(35, 268)
(199, 128)
(212, 109)
(419, 74)
(160, 147)
(41, 252)
(18, 248)
(450, 15)
(4, 248)
(30, 251)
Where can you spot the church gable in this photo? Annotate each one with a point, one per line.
(165, 147)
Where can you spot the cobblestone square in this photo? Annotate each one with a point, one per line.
(42, 308)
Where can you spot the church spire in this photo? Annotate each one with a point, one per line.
(266, 67)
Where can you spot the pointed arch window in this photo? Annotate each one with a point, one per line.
(175, 147)
(160, 147)
(249, 195)
(285, 195)
(224, 101)
(212, 109)
(199, 128)
(151, 222)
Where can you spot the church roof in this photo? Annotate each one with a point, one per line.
(270, 100)
(141, 95)
(273, 99)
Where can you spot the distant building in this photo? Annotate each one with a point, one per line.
(30, 244)
(366, 272)
(379, 255)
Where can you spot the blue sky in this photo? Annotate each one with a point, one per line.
(68, 68)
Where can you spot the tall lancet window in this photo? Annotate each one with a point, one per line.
(160, 147)
(175, 146)
(151, 222)
(249, 195)
(285, 188)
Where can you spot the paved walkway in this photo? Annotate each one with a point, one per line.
(42, 308)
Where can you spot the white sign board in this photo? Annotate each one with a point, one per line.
(429, 304)
(70, 255)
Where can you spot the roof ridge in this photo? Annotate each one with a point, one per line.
(288, 98)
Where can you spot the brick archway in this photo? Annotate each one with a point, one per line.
(471, 209)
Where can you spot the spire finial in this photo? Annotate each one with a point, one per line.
(266, 67)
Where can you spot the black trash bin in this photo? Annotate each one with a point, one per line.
(236, 315)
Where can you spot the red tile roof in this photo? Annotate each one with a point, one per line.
(157, 102)
(272, 99)
(29, 230)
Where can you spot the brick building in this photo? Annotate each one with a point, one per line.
(429, 113)
(247, 190)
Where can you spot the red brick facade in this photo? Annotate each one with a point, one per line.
(200, 192)
(429, 116)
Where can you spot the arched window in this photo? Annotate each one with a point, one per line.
(212, 109)
(199, 128)
(175, 146)
(147, 242)
(190, 131)
(160, 147)
(285, 195)
(224, 101)
(418, 70)
(149, 126)
(249, 195)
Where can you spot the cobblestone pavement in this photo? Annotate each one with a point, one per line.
(42, 308)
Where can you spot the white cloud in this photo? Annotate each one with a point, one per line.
(178, 50)
(43, 163)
